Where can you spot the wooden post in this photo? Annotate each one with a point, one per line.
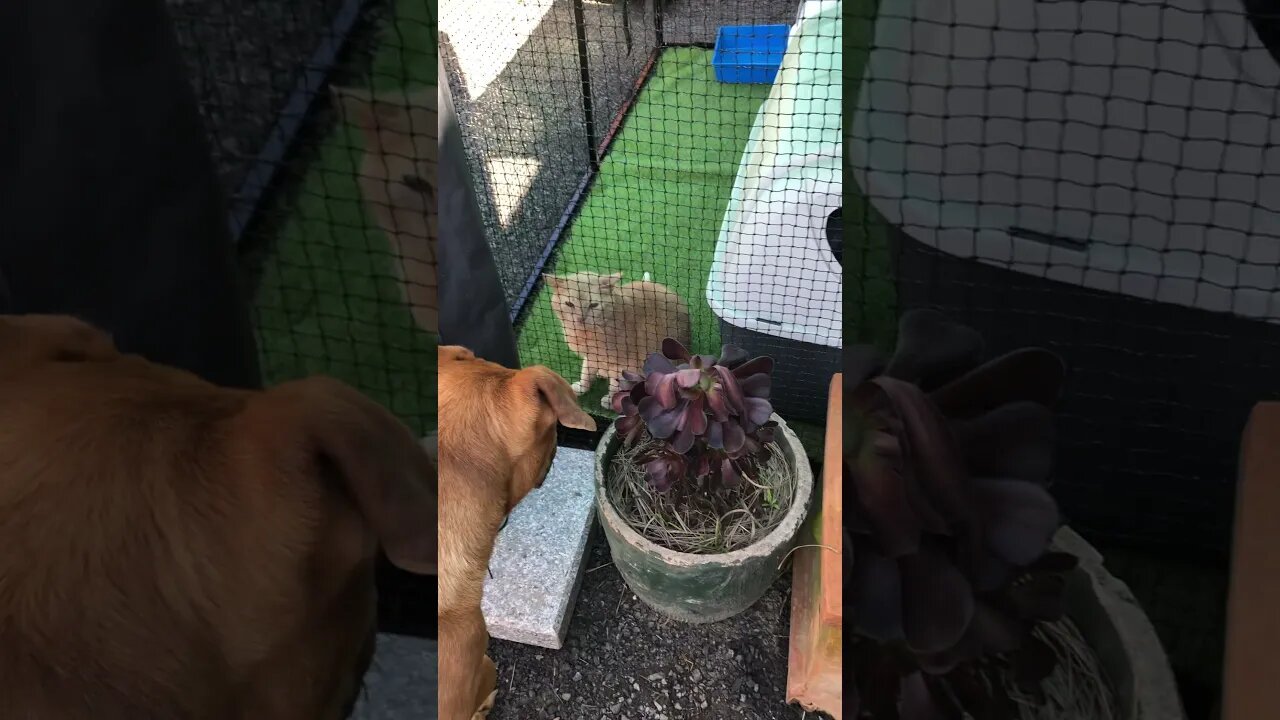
(1253, 619)
(817, 596)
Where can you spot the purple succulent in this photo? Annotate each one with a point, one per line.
(712, 414)
(947, 547)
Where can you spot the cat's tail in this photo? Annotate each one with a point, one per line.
(646, 276)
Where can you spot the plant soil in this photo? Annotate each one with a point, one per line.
(686, 519)
(623, 661)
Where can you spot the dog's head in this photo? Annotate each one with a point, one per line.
(193, 549)
(371, 483)
(506, 418)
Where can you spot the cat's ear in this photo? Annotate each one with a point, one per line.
(551, 281)
(610, 281)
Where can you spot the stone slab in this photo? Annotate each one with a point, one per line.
(536, 567)
(401, 682)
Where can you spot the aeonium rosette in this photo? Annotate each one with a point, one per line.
(710, 414)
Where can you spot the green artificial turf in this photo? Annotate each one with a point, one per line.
(657, 202)
(870, 310)
(327, 300)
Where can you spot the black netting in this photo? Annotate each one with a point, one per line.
(1100, 178)
(323, 120)
(609, 138)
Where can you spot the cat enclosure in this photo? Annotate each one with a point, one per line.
(693, 143)
(323, 274)
(1100, 179)
(332, 239)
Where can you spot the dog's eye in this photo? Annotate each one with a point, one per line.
(568, 304)
(593, 306)
(414, 182)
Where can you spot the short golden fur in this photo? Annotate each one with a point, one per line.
(174, 550)
(496, 441)
(614, 327)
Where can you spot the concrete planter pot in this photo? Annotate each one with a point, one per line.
(1127, 647)
(702, 588)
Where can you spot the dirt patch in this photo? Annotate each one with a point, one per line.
(624, 661)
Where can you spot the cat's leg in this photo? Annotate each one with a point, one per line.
(615, 384)
(587, 376)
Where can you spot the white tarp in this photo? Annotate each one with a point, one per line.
(1126, 147)
(773, 270)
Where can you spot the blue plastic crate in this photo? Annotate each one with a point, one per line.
(749, 53)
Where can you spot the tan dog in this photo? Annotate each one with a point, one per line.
(174, 550)
(497, 440)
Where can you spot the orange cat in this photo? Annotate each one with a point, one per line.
(614, 327)
(397, 180)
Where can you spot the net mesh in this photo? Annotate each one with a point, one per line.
(638, 182)
(1101, 179)
(323, 122)
(1097, 178)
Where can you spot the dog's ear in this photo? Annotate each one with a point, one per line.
(554, 391)
(453, 353)
(32, 339)
(382, 467)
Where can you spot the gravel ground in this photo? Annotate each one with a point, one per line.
(244, 57)
(533, 108)
(278, 204)
(623, 661)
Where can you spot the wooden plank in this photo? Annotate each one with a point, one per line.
(814, 662)
(1253, 619)
(833, 507)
